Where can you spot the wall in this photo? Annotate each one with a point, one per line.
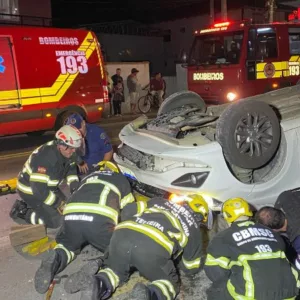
(37, 8)
(133, 48)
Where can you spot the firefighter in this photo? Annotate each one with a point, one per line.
(38, 182)
(151, 236)
(247, 260)
(96, 146)
(90, 216)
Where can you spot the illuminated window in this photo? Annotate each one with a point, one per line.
(8, 8)
(294, 40)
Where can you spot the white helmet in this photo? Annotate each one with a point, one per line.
(70, 136)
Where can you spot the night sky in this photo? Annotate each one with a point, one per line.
(77, 12)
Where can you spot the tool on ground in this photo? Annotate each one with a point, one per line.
(8, 186)
(37, 247)
(56, 280)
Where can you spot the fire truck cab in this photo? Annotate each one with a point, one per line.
(45, 75)
(234, 60)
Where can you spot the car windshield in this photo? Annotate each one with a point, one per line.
(217, 48)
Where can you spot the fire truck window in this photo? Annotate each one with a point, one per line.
(266, 43)
(222, 48)
(294, 41)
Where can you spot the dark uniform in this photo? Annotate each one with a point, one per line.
(90, 217)
(38, 184)
(247, 261)
(149, 237)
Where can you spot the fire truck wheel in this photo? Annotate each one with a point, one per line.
(249, 133)
(180, 99)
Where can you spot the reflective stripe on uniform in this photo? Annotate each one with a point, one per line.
(36, 177)
(112, 276)
(246, 223)
(24, 189)
(141, 206)
(72, 178)
(50, 199)
(296, 275)
(33, 219)
(105, 183)
(126, 200)
(247, 274)
(191, 264)
(222, 261)
(93, 209)
(155, 234)
(103, 195)
(70, 254)
(166, 288)
(180, 236)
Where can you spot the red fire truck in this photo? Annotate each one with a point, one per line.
(233, 60)
(45, 75)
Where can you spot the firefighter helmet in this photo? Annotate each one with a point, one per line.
(70, 136)
(199, 205)
(106, 165)
(234, 208)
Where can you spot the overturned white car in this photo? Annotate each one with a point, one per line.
(246, 149)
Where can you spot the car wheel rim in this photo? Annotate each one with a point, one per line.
(253, 134)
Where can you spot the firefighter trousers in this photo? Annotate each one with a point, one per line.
(89, 229)
(130, 249)
(40, 213)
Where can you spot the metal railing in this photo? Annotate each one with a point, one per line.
(22, 20)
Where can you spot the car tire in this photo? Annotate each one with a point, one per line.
(180, 99)
(249, 133)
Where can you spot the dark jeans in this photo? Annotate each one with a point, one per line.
(117, 107)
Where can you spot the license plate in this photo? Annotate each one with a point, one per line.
(127, 172)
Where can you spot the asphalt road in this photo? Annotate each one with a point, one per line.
(17, 272)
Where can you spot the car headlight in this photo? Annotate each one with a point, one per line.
(191, 180)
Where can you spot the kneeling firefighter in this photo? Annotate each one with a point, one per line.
(90, 216)
(247, 260)
(151, 236)
(38, 182)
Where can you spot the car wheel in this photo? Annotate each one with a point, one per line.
(249, 133)
(180, 99)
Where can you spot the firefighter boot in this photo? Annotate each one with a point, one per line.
(79, 281)
(142, 292)
(98, 288)
(18, 210)
(51, 265)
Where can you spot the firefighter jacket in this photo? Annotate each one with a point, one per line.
(102, 193)
(250, 258)
(171, 225)
(42, 173)
(289, 203)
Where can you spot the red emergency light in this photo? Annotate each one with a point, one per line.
(295, 15)
(224, 24)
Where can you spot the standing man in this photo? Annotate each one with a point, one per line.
(117, 77)
(132, 84)
(90, 216)
(244, 261)
(38, 182)
(151, 236)
(97, 146)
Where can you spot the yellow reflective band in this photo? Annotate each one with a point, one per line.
(182, 238)
(246, 223)
(151, 232)
(53, 182)
(50, 199)
(296, 275)
(126, 200)
(70, 254)
(32, 218)
(103, 195)
(39, 178)
(113, 277)
(25, 189)
(163, 289)
(72, 178)
(141, 206)
(193, 264)
(168, 284)
(111, 186)
(92, 209)
(222, 261)
(28, 168)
